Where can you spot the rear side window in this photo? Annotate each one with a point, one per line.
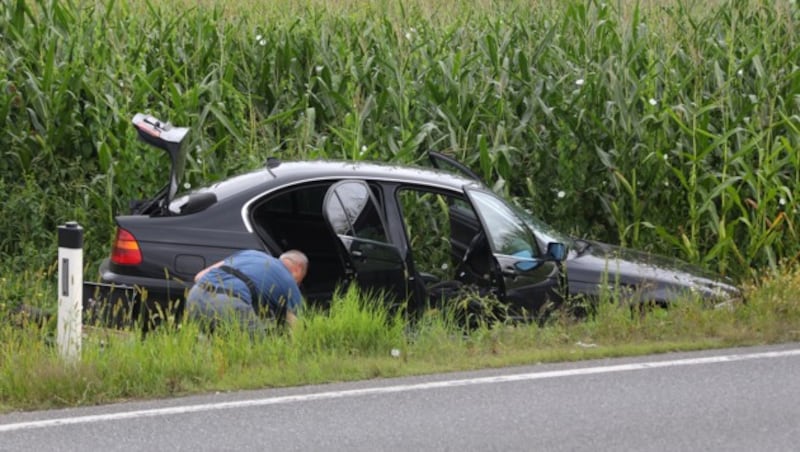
(353, 213)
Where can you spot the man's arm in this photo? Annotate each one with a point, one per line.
(202, 272)
(296, 299)
(291, 319)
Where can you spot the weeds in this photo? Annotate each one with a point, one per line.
(359, 338)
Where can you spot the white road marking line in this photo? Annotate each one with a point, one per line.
(390, 389)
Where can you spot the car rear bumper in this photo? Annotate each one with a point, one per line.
(173, 287)
(110, 305)
(122, 300)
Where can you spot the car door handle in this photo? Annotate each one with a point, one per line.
(357, 253)
(510, 272)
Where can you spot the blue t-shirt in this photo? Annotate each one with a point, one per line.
(273, 281)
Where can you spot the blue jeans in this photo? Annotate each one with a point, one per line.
(211, 309)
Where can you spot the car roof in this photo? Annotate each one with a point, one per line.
(290, 172)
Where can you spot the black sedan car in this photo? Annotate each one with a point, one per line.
(405, 231)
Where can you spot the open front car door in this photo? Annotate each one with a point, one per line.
(531, 281)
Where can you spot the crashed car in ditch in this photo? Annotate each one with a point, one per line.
(405, 231)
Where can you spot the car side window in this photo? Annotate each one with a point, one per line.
(353, 212)
(507, 232)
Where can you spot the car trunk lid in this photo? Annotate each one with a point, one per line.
(165, 136)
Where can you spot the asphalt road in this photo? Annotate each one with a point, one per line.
(724, 400)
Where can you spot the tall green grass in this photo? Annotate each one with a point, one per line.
(119, 364)
(358, 338)
(670, 126)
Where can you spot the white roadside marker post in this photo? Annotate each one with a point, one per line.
(70, 290)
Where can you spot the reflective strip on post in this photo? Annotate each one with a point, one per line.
(70, 290)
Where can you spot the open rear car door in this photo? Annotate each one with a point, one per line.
(376, 265)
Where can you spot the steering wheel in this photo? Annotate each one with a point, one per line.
(463, 271)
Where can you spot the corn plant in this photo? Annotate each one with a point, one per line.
(670, 126)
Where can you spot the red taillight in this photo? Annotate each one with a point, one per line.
(126, 249)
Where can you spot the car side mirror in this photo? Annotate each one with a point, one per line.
(556, 251)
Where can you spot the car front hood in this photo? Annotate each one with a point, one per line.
(656, 277)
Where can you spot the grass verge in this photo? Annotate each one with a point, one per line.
(357, 339)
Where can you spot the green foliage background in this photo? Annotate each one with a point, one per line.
(672, 127)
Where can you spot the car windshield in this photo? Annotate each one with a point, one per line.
(510, 227)
(543, 231)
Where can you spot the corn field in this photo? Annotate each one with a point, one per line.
(669, 125)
